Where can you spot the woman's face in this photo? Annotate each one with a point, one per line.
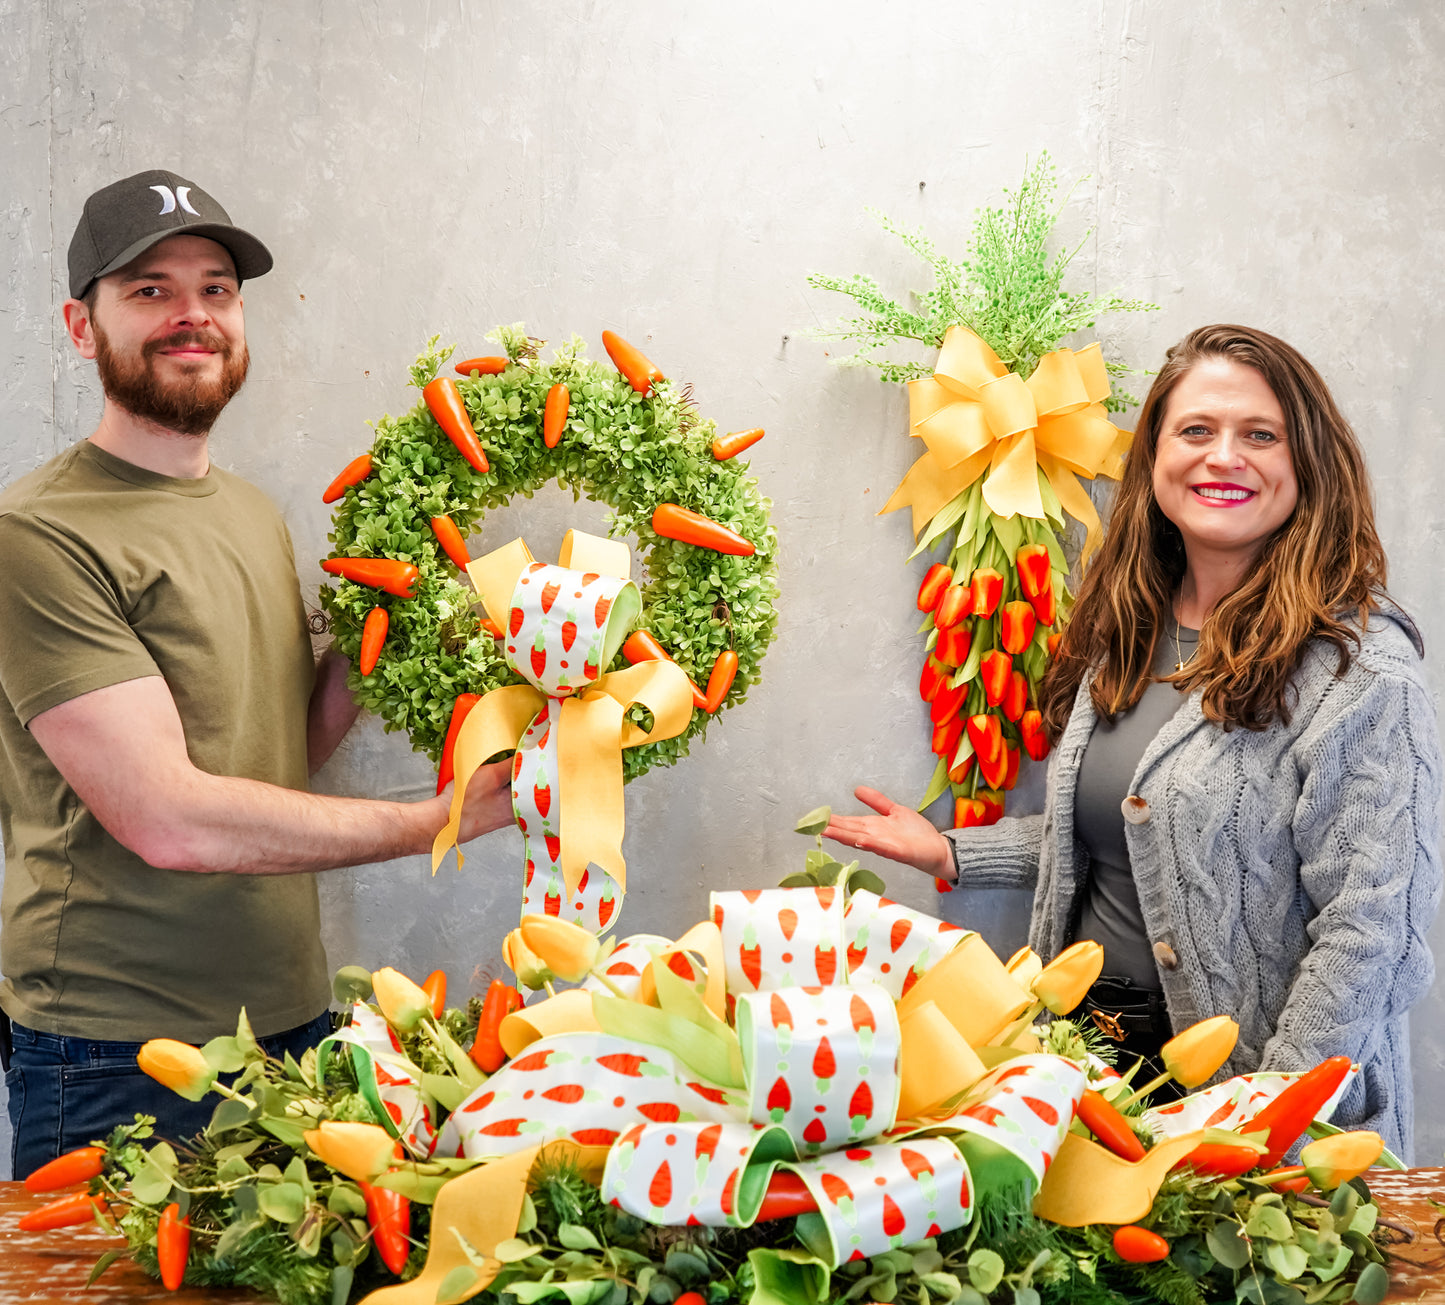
(1222, 467)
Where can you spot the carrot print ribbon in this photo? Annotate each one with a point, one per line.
(977, 418)
(568, 723)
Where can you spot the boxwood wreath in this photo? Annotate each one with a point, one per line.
(629, 450)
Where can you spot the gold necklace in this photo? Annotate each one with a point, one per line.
(1179, 648)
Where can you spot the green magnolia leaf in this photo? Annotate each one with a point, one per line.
(985, 1270)
(1227, 1246)
(577, 1238)
(224, 1055)
(815, 822)
(283, 1202)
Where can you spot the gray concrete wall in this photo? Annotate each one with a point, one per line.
(674, 172)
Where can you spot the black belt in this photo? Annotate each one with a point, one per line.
(1121, 1009)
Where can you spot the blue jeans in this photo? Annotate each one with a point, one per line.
(68, 1092)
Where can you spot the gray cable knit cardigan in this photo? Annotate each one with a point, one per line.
(1287, 877)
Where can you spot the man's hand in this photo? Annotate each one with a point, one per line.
(488, 802)
(897, 832)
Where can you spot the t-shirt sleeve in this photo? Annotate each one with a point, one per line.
(65, 632)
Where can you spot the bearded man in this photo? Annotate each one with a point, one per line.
(159, 707)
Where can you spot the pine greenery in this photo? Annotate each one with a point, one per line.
(1008, 289)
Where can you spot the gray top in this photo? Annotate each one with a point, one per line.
(1287, 876)
(1110, 913)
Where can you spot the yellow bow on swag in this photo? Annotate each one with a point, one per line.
(976, 416)
(593, 728)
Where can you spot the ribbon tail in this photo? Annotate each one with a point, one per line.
(590, 773)
(494, 725)
(1075, 501)
(1013, 483)
(929, 486)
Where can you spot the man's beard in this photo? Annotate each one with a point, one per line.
(187, 405)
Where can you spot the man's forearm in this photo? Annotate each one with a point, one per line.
(331, 712)
(219, 824)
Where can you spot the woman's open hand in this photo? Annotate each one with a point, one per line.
(897, 832)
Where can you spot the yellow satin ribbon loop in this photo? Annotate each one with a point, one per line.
(567, 1012)
(494, 577)
(593, 730)
(972, 989)
(583, 552)
(706, 940)
(976, 417)
(934, 1063)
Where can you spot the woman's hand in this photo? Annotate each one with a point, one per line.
(897, 832)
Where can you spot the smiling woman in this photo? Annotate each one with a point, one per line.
(1243, 800)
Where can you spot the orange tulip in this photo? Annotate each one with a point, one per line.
(178, 1065)
(360, 1151)
(567, 949)
(1062, 983)
(403, 1002)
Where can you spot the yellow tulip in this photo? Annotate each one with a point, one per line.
(1025, 965)
(529, 968)
(1340, 1157)
(1063, 982)
(178, 1065)
(401, 1001)
(1194, 1056)
(567, 949)
(360, 1151)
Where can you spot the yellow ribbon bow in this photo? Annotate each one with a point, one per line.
(593, 729)
(978, 417)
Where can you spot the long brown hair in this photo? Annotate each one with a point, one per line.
(1318, 576)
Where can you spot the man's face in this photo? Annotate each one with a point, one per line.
(168, 336)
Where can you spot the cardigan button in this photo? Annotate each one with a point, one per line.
(1135, 809)
(1164, 954)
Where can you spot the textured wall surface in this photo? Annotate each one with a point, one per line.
(674, 172)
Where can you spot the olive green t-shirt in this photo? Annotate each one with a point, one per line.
(114, 573)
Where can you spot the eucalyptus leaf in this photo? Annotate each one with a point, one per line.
(944, 1285)
(815, 822)
(1026, 1296)
(1286, 1259)
(237, 1150)
(233, 1169)
(926, 1262)
(150, 1186)
(1269, 1221)
(285, 1130)
(1344, 1203)
(233, 1234)
(458, 1284)
(1372, 1286)
(224, 1055)
(687, 1268)
(351, 983)
(867, 881)
(1226, 1245)
(514, 1250)
(341, 1277)
(283, 1202)
(527, 1220)
(577, 1238)
(985, 1269)
(1365, 1218)
(344, 1199)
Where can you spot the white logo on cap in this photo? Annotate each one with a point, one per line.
(171, 198)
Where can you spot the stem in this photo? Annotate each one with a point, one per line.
(609, 985)
(1144, 1091)
(1020, 1024)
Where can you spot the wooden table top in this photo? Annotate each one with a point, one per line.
(51, 1268)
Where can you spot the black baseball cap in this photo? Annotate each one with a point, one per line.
(125, 219)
